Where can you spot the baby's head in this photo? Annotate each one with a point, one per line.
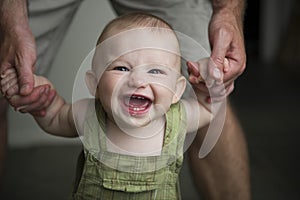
(136, 68)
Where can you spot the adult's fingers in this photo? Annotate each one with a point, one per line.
(220, 39)
(43, 102)
(43, 112)
(236, 69)
(37, 105)
(17, 101)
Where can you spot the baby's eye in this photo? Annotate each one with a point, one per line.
(156, 71)
(121, 68)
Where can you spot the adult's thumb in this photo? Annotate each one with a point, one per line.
(25, 79)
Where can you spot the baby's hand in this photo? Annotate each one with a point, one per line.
(207, 81)
(9, 83)
(35, 103)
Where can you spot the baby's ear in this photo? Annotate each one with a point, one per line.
(91, 82)
(179, 90)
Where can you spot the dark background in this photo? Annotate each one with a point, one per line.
(266, 98)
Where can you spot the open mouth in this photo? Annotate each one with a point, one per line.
(137, 104)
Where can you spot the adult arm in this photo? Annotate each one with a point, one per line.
(17, 44)
(224, 173)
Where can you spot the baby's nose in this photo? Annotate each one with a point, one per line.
(137, 79)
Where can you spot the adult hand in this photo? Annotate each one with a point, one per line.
(227, 43)
(17, 43)
(205, 85)
(228, 57)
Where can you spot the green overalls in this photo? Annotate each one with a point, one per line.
(107, 175)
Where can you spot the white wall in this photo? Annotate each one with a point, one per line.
(80, 39)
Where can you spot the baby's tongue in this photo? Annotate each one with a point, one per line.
(139, 101)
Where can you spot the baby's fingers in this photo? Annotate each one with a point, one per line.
(12, 91)
(8, 75)
(11, 85)
(9, 82)
(193, 68)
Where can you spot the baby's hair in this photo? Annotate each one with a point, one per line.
(131, 21)
(136, 20)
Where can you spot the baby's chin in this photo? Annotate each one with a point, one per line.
(131, 122)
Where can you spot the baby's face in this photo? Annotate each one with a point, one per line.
(140, 86)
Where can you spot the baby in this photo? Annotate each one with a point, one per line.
(133, 130)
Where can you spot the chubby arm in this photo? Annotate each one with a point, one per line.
(198, 110)
(57, 118)
(198, 114)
